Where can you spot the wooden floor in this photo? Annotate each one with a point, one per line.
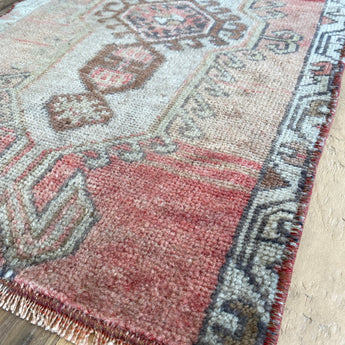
(315, 309)
(14, 331)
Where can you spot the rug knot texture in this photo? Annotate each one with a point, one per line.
(156, 163)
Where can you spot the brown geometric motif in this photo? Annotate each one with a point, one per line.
(118, 68)
(72, 111)
(248, 324)
(319, 108)
(173, 22)
(166, 21)
(273, 180)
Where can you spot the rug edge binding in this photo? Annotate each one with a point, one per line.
(286, 271)
(76, 332)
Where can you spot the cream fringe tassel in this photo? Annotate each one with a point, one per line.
(52, 321)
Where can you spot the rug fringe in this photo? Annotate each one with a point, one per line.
(52, 321)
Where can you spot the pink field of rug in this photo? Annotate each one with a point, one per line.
(156, 163)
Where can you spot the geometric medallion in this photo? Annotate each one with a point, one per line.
(117, 68)
(168, 21)
(72, 111)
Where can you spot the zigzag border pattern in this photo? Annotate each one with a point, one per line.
(271, 215)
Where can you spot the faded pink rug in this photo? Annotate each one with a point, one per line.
(156, 162)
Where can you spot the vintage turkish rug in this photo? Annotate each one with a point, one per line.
(156, 162)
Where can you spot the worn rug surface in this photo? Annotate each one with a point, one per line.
(156, 162)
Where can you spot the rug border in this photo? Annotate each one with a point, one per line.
(49, 313)
(283, 271)
(286, 271)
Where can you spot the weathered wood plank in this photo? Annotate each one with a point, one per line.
(14, 331)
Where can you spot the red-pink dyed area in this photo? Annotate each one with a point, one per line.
(151, 262)
(297, 22)
(48, 187)
(6, 141)
(214, 173)
(216, 158)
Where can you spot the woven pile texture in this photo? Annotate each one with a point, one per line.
(156, 162)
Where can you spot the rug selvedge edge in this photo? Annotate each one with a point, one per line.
(285, 274)
(306, 181)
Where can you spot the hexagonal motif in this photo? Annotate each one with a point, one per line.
(118, 68)
(168, 21)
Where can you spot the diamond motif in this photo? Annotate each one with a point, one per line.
(168, 21)
(72, 111)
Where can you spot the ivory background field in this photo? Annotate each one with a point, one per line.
(314, 312)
